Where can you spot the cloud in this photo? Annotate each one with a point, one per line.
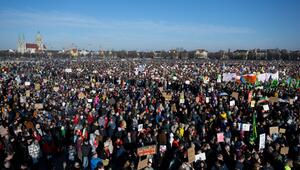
(57, 19)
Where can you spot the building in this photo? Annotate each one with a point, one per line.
(37, 47)
(200, 53)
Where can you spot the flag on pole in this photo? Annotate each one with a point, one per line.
(254, 131)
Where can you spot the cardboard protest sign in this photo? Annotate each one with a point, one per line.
(27, 93)
(37, 86)
(27, 83)
(191, 154)
(282, 130)
(140, 127)
(232, 103)
(181, 101)
(142, 164)
(235, 95)
(262, 141)
(220, 137)
(246, 127)
(291, 101)
(200, 156)
(273, 130)
(284, 150)
(146, 150)
(45, 80)
(38, 106)
(266, 107)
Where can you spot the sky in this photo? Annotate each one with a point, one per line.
(152, 24)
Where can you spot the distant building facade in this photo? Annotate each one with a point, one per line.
(37, 47)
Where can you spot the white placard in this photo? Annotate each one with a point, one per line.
(200, 156)
(27, 83)
(266, 107)
(68, 70)
(187, 82)
(253, 103)
(232, 103)
(181, 101)
(140, 127)
(207, 99)
(262, 141)
(246, 127)
(90, 100)
(22, 99)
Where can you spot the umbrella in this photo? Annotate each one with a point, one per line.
(223, 94)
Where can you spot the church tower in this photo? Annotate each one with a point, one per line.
(21, 44)
(39, 42)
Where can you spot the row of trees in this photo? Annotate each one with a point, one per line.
(220, 55)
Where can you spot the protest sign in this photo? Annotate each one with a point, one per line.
(90, 100)
(284, 150)
(37, 86)
(27, 83)
(142, 164)
(146, 150)
(191, 154)
(273, 130)
(27, 93)
(68, 70)
(140, 127)
(22, 99)
(266, 107)
(235, 95)
(253, 103)
(38, 106)
(55, 89)
(167, 97)
(220, 137)
(181, 101)
(282, 130)
(207, 99)
(246, 127)
(200, 156)
(232, 103)
(262, 141)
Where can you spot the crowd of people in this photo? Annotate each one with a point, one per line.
(98, 114)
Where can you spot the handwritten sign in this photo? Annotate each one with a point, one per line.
(220, 137)
(246, 127)
(273, 130)
(90, 100)
(55, 89)
(146, 150)
(266, 107)
(68, 70)
(284, 150)
(200, 156)
(142, 164)
(191, 154)
(282, 130)
(262, 141)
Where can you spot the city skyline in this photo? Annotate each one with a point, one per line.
(153, 25)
